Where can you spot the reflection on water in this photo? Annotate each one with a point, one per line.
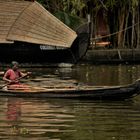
(13, 109)
(107, 74)
(60, 119)
(69, 119)
(93, 74)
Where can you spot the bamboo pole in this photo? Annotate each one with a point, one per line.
(138, 31)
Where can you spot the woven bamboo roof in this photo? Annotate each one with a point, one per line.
(30, 22)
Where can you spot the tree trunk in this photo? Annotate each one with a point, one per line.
(126, 24)
(133, 29)
(121, 24)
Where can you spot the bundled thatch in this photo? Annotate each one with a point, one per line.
(29, 22)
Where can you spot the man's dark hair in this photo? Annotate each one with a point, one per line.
(13, 63)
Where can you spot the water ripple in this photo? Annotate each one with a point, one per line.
(68, 119)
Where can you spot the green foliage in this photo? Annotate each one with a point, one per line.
(68, 6)
(77, 5)
(111, 4)
(41, 1)
(119, 13)
(135, 3)
(66, 10)
(72, 21)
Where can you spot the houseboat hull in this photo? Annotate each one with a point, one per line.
(37, 53)
(30, 33)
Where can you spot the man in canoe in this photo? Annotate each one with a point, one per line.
(13, 75)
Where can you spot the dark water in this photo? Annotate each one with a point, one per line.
(67, 119)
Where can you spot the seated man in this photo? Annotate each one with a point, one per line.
(13, 75)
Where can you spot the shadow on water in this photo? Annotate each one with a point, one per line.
(61, 119)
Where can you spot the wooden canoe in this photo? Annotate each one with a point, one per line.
(79, 92)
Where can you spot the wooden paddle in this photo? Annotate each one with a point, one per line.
(13, 81)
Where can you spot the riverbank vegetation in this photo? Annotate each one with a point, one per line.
(115, 21)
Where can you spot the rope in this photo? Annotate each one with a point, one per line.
(116, 32)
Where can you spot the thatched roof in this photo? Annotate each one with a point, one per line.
(30, 22)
